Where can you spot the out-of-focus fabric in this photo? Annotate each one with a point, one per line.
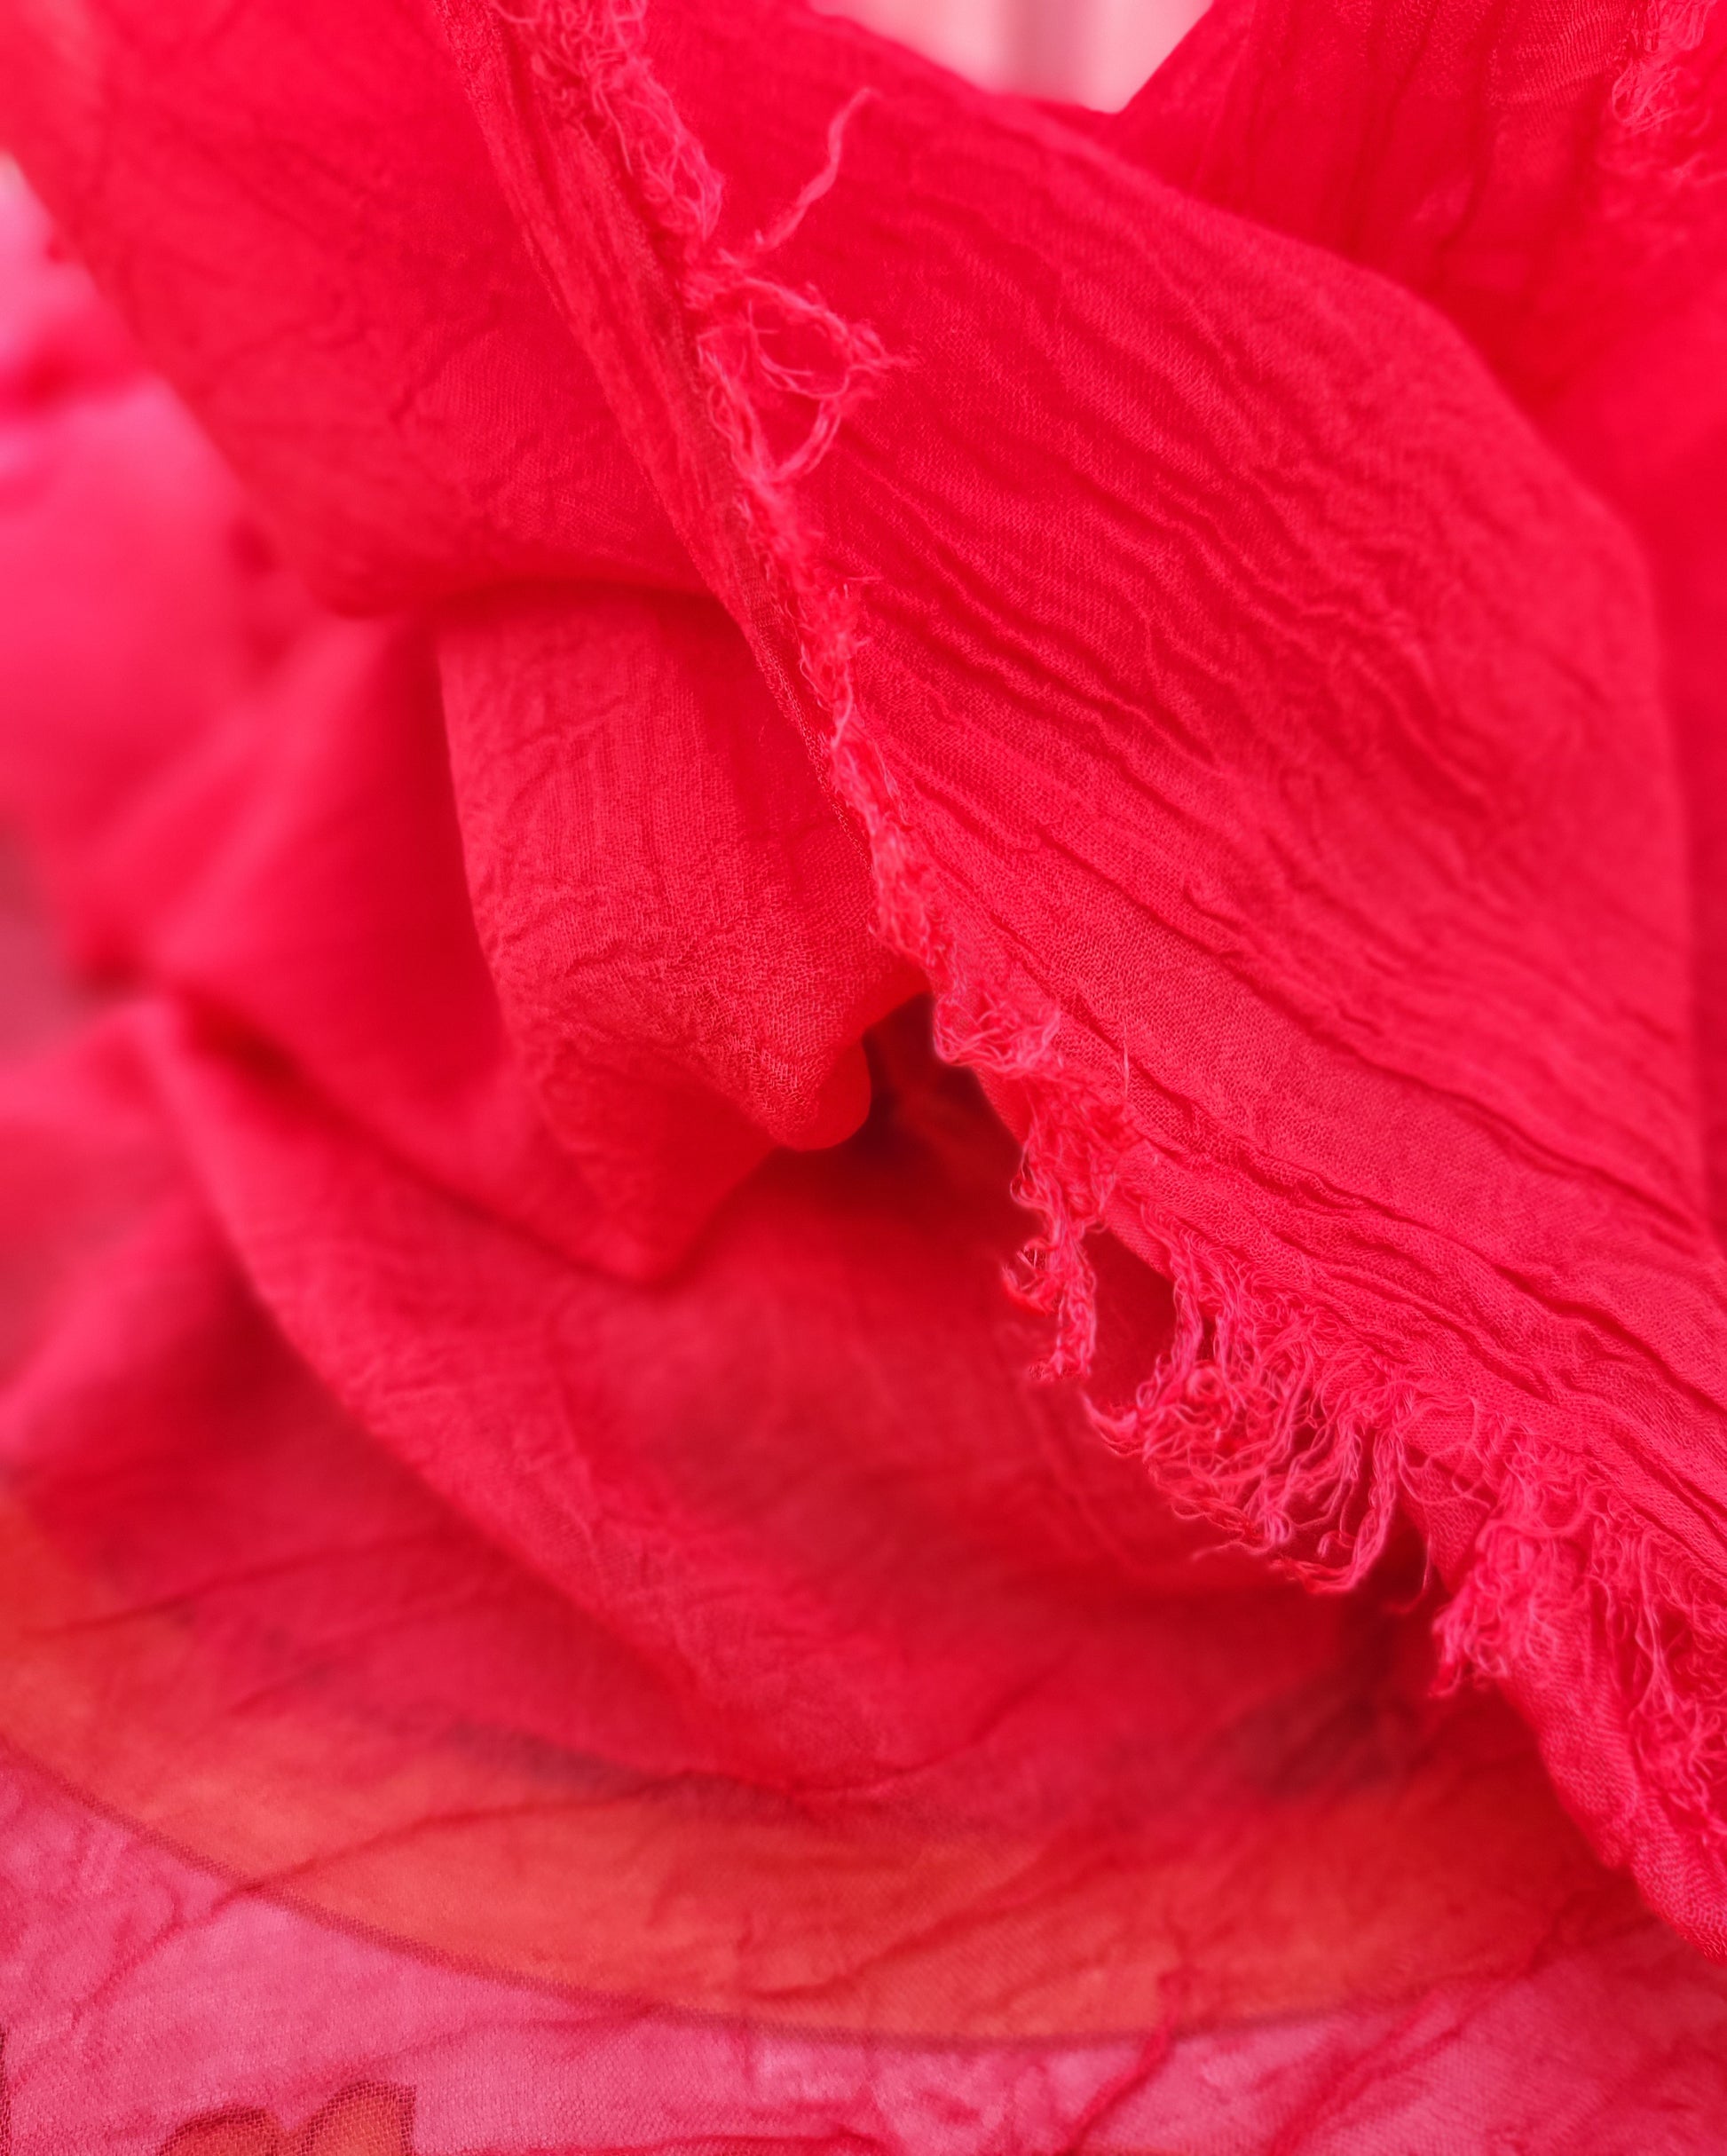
(858, 1169)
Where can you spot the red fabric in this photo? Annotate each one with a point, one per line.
(905, 915)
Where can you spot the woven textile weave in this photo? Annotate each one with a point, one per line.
(864, 1130)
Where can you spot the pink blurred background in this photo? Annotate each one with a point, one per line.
(1092, 52)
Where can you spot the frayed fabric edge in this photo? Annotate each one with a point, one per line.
(1650, 94)
(1281, 1431)
(1272, 1423)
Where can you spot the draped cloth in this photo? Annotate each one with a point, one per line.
(866, 1099)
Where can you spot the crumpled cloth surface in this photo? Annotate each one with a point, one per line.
(865, 1105)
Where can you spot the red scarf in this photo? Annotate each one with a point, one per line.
(863, 1289)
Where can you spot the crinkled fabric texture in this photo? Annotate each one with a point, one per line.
(861, 1160)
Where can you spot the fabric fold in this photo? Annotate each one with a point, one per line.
(292, 210)
(1455, 901)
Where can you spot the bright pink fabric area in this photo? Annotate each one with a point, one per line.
(860, 1187)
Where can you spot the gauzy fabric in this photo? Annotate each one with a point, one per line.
(866, 1107)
